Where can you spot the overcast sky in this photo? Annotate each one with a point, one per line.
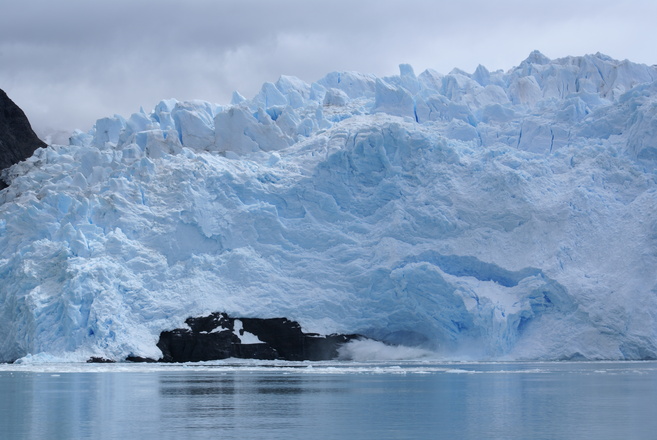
(70, 62)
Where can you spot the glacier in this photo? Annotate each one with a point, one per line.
(486, 215)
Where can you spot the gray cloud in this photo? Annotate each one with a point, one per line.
(69, 63)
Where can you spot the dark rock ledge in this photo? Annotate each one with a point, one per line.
(219, 336)
(17, 140)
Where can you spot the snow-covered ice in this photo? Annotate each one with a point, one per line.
(492, 215)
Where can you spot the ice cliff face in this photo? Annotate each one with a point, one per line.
(493, 215)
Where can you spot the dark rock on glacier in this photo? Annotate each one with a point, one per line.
(99, 360)
(17, 139)
(219, 336)
(139, 359)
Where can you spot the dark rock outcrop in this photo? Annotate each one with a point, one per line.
(219, 336)
(17, 139)
(99, 360)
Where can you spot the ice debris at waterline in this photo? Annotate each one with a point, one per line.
(492, 215)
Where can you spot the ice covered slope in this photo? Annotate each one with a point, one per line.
(491, 215)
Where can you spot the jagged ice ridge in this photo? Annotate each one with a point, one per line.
(492, 215)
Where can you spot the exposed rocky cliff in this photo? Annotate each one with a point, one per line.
(219, 336)
(17, 139)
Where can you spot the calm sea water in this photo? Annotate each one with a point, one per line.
(335, 400)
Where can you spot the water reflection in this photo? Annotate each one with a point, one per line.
(512, 401)
(193, 386)
(230, 400)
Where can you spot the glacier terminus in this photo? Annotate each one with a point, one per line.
(486, 215)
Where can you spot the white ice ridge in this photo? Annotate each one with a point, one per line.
(487, 215)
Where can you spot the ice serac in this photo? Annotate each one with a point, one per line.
(492, 215)
(17, 139)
